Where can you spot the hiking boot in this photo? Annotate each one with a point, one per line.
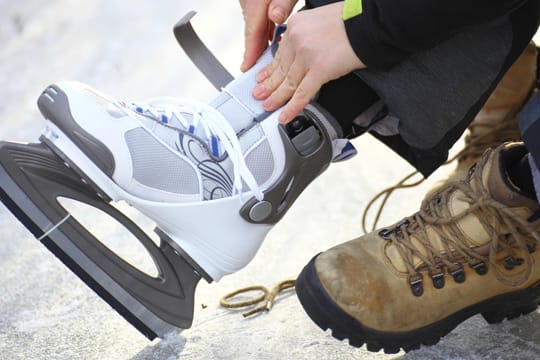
(497, 122)
(470, 249)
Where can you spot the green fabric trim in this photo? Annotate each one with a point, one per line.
(352, 8)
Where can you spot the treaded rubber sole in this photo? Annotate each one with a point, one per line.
(328, 315)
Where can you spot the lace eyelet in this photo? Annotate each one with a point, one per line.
(511, 262)
(403, 222)
(415, 281)
(437, 278)
(458, 274)
(385, 233)
(480, 268)
(471, 170)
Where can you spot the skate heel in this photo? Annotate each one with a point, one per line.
(198, 271)
(210, 235)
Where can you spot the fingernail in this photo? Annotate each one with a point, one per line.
(278, 14)
(262, 75)
(259, 90)
(267, 105)
(283, 118)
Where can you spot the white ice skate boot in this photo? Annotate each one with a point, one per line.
(214, 178)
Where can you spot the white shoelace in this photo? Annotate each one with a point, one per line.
(216, 128)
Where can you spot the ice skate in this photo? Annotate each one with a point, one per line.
(213, 177)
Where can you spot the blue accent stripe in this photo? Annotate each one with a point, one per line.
(215, 147)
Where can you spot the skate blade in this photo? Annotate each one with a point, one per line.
(32, 179)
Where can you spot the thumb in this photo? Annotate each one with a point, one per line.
(279, 10)
(255, 33)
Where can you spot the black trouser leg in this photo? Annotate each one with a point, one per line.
(346, 98)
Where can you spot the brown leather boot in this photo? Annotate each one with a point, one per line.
(497, 122)
(469, 250)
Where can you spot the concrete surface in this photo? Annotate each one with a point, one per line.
(127, 49)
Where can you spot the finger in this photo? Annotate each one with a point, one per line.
(271, 77)
(256, 30)
(255, 42)
(286, 89)
(302, 96)
(279, 10)
(284, 53)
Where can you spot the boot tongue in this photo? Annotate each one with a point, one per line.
(491, 170)
(497, 181)
(236, 102)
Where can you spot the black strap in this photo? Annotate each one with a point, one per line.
(203, 58)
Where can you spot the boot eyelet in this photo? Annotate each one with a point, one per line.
(458, 274)
(385, 233)
(511, 262)
(480, 268)
(508, 263)
(437, 278)
(403, 222)
(415, 281)
(471, 170)
(531, 248)
(534, 216)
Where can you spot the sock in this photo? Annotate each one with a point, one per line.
(521, 175)
(535, 176)
(346, 98)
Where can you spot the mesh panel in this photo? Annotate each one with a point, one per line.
(261, 162)
(157, 167)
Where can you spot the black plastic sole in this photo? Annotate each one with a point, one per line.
(328, 315)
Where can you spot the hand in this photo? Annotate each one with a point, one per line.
(260, 17)
(314, 50)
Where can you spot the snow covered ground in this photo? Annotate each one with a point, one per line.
(127, 49)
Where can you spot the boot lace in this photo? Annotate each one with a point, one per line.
(481, 137)
(196, 117)
(518, 235)
(488, 135)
